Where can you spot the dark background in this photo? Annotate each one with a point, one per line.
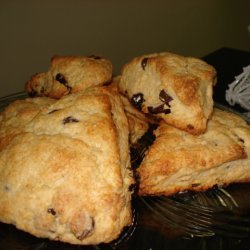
(32, 31)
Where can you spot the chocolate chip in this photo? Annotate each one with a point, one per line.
(138, 149)
(51, 211)
(69, 119)
(158, 110)
(60, 78)
(144, 63)
(137, 100)
(164, 97)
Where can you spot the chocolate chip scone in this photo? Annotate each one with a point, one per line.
(70, 74)
(179, 161)
(65, 167)
(175, 88)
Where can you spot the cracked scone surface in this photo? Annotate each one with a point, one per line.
(65, 170)
(175, 88)
(70, 74)
(178, 161)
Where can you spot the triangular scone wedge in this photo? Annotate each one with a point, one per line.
(70, 74)
(176, 88)
(178, 161)
(65, 171)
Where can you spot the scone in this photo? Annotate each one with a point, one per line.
(70, 74)
(175, 88)
(178, 161)
(65, 167)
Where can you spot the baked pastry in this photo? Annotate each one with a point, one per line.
(175, 88)
(70, 74)
(65, 167)
(179, 161)
(138, 122)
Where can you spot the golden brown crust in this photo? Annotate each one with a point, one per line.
(66, 174)
(70, 74)
(175, 88)
(179, 161)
